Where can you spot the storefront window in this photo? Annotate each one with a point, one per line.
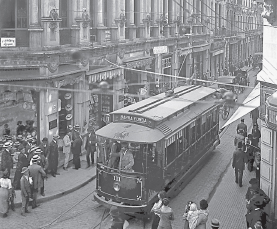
(18, 113)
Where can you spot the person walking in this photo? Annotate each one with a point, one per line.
(5, 193)
(215, 224)
(166, 215)
(203, 215)
(258, 163)
(90, 147)
(249, 151)
(242, 126)
(6, 158)
(25, 190)
(44, 146)
(53, 156)
(256, 135)
(157, 205)
(239, 137)
(254, 115)
(239, 160)
(66, 149)
(43, 163)
(76, 151)
(37, 174)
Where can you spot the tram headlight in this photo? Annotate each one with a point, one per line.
(116, 186)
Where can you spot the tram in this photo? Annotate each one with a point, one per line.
(170, 136)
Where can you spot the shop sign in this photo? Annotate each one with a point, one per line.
(160, 49)
(8, 41)
(185, 52)
(53, 124)
(133, 119)
(218, 52)
(217, 45)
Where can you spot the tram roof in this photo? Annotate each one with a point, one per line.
(160, 107)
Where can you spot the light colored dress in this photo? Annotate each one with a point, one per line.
(166, 215)
(192, 218)
(5, 184)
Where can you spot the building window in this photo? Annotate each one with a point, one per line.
(14, 21)
(63, 13)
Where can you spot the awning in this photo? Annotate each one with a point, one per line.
(250, 103)
(130, 132)
(98, 75)
(138, 62)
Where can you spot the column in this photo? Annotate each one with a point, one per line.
(35, 30)
(100, 13)
(130, 14)
(111, 13)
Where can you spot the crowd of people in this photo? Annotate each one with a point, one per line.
(33, 160)
(247, 152)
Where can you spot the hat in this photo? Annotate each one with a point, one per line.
(35, 158)
(19, 137)
(203, 204)
(45, 139)
(7, 144)
(253, 181)
(19, 122)
(70, 127)
(56, 136)
(77, 126)
(20, 147)
(67, 96)
(215, 223)
(257, 200)
(68, 117)
(242, 120)
(258, 225)
(5, 174)
(38, 151)
(8, 138)
(68, 107)
(240, 145)
(29, 138)
(24, 169)
(16, 144)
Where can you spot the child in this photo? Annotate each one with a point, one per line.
(190, 216)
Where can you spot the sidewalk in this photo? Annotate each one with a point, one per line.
(65, 183)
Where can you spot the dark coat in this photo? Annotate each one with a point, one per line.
(256, 136)
(242, 126)
(255, 215)
(91, 142)
(45, 150)
(6, 160)
(53, 155)
(25, 187)
(77, 146)
(22, 161)
(239, 160)
(37, 173)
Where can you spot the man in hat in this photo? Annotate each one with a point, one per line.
(254, 115)
(44, 146)
(22, 162)
(20, 128)
(76, 151)
(215, 224)
(6, 158)
(239, 160)
(256, 135)
(28, 146)
(126, 158)
(25, 190)
(76, 132)
(249, 150)
(242, 126)
(203, 215)
(53, 157)
(258, 163)
(256, 214)
(90, 147)
(37, 174)
(43, 163)
(239, 137)
(67, 148)
(254, 191)
(6, 130)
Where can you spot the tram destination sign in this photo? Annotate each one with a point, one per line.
(133, 119)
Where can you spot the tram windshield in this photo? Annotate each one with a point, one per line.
(126, 156)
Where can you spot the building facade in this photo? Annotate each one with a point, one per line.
(54, 54)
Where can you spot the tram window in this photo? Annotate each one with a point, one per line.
(204, 124)
(180, 141)
(170, 153)
(192, 133)
(186, 137)
(209, 120)
(214, 117)
(198, 128)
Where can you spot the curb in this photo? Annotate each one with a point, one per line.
(60, 194)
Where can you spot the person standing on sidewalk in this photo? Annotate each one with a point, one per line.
(53, 156)
(44, 147)
(239, 160)
(76, 151)
(6, 158)
(239, 137)
(25, 190)
(158, 205)
(256, 135)
(203, 215)
(166, 215)
(90, 147)
(242, 126)
(37, 174)
(66, 149)
(254, 115)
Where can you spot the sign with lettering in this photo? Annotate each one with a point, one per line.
(160, 49)
(133, 119)
(53, 124)
(8, 41)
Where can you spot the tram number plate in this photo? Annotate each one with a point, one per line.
(116, 178)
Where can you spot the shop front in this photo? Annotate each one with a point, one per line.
(217, 58)
(102, 102)
(184, 64)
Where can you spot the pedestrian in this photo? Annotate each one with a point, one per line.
(5, 193)
(254, 115)
(37, 174)
(25, 190)
(76, 151)
(239, 137)
(242, 126)
(43, 163)
(126, 158)
(256, 135)
(67, 149)
(191, 216)
(90, 147)
(157, 205)
(249, 150)
(258, 163)
(53, 156)
(256, 214)
(76, 131)
(22, 162)
(6, 158)
(215, 224)
(28, 145)
(254, 191)
(6, 130)
(20, 128)
(203, 215)
(166, 215)
(44, 146)
(239, 160)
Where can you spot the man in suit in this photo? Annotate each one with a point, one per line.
(25, 190)
(239, 160)
(242, 126)
(67, 148)
(53, 156)
(37, 174)
(44, 147)
(90, 147)
(6, 158)
(76, 151)
(256, 135)
(239, 137)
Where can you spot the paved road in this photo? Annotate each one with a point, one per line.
(88, 214)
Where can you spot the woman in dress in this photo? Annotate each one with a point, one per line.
(5, 192)
(166, 215)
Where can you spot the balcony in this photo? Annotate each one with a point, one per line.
(21, 35)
